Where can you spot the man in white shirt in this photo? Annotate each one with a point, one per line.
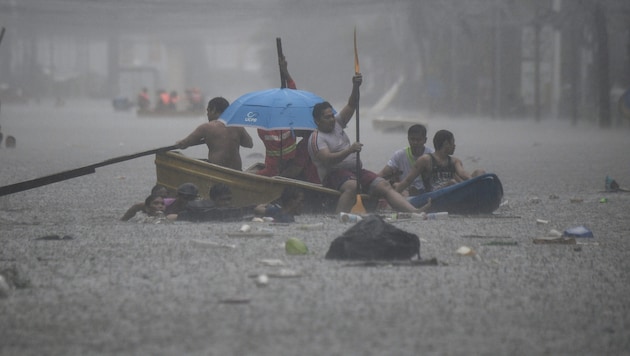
(401, 162)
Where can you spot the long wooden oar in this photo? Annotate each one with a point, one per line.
(358, 207)
(73, 173)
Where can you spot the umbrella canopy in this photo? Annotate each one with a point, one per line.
(273, 109)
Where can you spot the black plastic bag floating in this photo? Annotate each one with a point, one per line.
(374, 239)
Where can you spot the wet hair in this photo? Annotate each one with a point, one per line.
(417, 129)
(289, 193)
(319, 108)
(188, 191)
(441, 137)
(150, 199)
(219, 104)
(156, 188)
(219, 190)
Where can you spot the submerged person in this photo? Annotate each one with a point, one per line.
(217, 208)
(186, 193)
(153, 212)
(401, 162)
(223, 142)
(156, 190)
(440, 169)
(290, 204)
(336, 158)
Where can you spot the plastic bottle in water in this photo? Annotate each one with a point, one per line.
(349, 218)
(437, 216)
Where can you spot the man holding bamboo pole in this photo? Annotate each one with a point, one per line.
(335, 158)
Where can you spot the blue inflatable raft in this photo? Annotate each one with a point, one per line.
(479, 195)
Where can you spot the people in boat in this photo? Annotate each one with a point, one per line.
(186, 193)
(134, 209)
(153, 211)
(399, 165)
(301, 166)
(223, 142)
(163, 100)
(290, 204)
(336, 158)
(439, 169)
(173, 99)
(280, 145)
(144, 103)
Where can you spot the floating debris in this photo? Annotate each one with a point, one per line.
(234, 301)
(487, 236)
(501, 243)
(554, 241)
(202, 243)
(55, 238)
(465, 251)
(262, 280)
(294, 246)
(272, 262)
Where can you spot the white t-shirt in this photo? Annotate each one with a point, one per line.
(402, 160)
(335, 141)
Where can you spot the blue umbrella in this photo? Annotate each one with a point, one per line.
(273, 109)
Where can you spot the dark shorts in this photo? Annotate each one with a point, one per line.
(335, 179)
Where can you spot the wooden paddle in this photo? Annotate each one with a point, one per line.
(283, 80)
(358, 207)
(77, 172)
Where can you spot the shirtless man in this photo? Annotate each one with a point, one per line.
(439, 169)
(223, 142)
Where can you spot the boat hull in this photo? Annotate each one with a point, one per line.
(174, 169)
(479, 195)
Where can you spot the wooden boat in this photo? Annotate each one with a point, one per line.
(179, 113)
(174, 168)
(479, 195)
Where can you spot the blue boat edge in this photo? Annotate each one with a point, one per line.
(478, 195)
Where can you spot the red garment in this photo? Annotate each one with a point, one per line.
(303, 159)
(165, 98)
(280, 146)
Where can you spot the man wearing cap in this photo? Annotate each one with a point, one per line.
(185, 193)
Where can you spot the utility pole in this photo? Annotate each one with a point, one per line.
(556, 84)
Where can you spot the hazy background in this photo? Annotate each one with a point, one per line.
(500, 58)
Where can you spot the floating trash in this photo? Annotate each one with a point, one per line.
(465, 251)
(316, 226)
(501, 243)
(579, 231)
(55, 238)
(262, 280)
(349, 218)
(203, 243)
(550, 240)
(272, 262)
(294, 246)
